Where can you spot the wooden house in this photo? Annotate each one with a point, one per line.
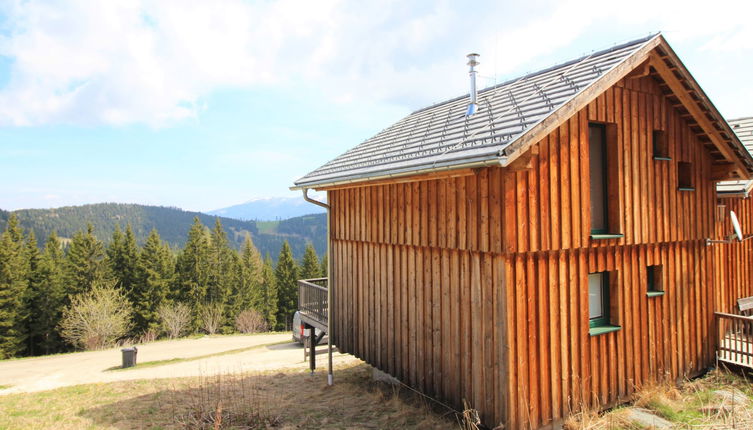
(544, 254)
(734, 282)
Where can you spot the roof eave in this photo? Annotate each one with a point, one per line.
(740, 155)
(398, 173)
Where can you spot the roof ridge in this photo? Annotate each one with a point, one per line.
(545, 70)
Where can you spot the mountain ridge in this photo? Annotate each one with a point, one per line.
(171, 223)
(271, 208)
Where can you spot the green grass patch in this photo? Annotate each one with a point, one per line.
(685, 414)
(156, 363)
(5, 387)
(267, 227)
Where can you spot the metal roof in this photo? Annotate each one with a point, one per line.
(441, 136)
(743, 128)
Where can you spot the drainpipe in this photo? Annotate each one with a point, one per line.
(330, 284)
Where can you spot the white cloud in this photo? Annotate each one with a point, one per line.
(137, 61)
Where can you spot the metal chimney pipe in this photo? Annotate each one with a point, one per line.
(473, 62)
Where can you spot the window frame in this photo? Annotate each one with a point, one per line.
(685, 176)
(654, 283)
(603, 320)
(612, 194)
(604, 175)
(660, 146)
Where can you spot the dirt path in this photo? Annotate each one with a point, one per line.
(266, 353)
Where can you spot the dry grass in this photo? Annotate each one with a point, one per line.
(719, 400)
(291, 399)
(590, 420)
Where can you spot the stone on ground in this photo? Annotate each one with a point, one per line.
(646, 419)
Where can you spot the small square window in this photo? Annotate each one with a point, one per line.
(661, 149)
(654, 280)
(685, 176)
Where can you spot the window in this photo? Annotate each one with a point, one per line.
(602, 303)
(598, 167)
(661, 149)
(685, 176)
(603, 166)
(654, 281)
(598, 299)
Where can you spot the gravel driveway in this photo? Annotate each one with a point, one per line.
(269, 352)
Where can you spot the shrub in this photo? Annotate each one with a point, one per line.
(250, 321)
(175, 318)
(211, 317)
(96, 319)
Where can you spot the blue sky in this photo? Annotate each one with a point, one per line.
(202, 105)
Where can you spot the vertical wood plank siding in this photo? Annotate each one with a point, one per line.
(475, 287)
(735, 260)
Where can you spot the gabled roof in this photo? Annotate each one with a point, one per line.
(514, 115)
(743, 128)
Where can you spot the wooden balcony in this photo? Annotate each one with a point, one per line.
(735, 339)
(312, 302)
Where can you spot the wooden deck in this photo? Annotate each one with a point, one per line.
(735, 340)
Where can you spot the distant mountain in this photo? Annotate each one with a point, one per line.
(171, 223)
(272, 208)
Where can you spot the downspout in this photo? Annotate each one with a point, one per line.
(330, 284)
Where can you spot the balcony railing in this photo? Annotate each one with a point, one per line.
(735, 339)
(312, 302)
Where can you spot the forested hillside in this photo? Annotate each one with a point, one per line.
(298, 232)
(172, 223)
(88, 295)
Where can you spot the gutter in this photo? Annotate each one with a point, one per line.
(496, 161)
(330, 286)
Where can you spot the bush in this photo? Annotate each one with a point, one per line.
(211, 317)
(250, 321)
(175, 318)
(96, 319)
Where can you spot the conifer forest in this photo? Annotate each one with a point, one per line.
(45, 287)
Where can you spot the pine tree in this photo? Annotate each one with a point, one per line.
(85, 262)
(286, 275)
(236, 295)
(324, 270)
(310, 268)
(246, 292)
(193, 270)
(47, 295)
(14, 281)
(123, 260)
(33, 257)
(267, 303)
(220, 266)
(155, 273)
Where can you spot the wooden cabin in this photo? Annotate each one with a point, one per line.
(735, 261)
(544, 254)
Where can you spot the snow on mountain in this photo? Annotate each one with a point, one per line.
(272, 208)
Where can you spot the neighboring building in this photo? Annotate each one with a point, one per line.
(735, 279)
(544, 254)
(743, 128)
